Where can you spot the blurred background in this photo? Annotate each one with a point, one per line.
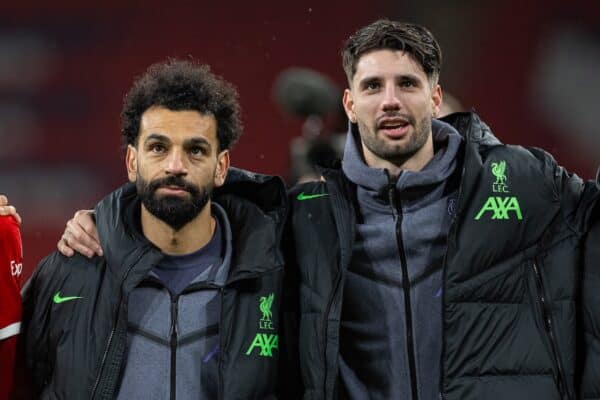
(529, 68)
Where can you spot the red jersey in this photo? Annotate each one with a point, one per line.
(11, 268)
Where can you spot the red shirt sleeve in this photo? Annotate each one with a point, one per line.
(11, 268)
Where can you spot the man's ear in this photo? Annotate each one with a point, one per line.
(436, 100)
(131, 163)
(349, 105)
(223, 163)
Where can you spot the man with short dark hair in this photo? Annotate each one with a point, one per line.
(438, 262)
(186, 300)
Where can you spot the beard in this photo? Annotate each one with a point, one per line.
(396, 153)
(175, 211)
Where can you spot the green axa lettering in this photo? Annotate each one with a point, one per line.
(500, 208)
(266, 343)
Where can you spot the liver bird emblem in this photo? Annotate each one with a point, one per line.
(499, 171)
(265, 306)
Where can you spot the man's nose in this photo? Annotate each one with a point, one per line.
(176, 163)
(391, 100)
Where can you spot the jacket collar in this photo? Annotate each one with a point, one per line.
(255, 204)
(472, 128)
(446, 140)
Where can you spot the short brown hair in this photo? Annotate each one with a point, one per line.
(385, 34)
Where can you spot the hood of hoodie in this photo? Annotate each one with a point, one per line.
(446, 141)
(254, 203)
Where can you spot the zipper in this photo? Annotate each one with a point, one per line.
(114, 329)
(338, 280)
(397, 214)
(451, 233)
(110, 337)
(174, 310)
(220, 360)
(175, 333)
(322, 348)
(549, 328)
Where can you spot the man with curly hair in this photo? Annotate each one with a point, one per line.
(172, 308)
(437, 262)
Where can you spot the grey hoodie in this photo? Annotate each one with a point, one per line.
(156, 367)
(373, 352)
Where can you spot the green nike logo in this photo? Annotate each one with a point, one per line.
(57, 299)
(303, 196)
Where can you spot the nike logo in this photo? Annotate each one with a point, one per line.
(303, 196)
(57, 299)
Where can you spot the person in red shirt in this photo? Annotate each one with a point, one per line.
(11, 268)
(7, 209)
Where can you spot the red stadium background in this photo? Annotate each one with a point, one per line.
(527, 67)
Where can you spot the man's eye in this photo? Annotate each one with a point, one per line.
(196, 151)
(157, 148)
(372, 86)
(407, 84)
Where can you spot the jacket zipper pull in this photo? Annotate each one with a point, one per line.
(391, 189)
(173, 372)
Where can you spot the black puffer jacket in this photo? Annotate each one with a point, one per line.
(75, 349)
(590, 309)
(515, 324)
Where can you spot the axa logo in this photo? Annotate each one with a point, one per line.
(500, 207)
(265, 342)
(16, 268)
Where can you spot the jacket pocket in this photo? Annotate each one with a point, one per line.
(544, 320)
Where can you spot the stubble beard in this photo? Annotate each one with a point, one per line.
(399, 153)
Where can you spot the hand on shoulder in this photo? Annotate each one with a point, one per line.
(7, 209)
(80, 236)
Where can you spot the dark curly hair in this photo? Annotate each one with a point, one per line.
(183, 85)
(385, 34)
